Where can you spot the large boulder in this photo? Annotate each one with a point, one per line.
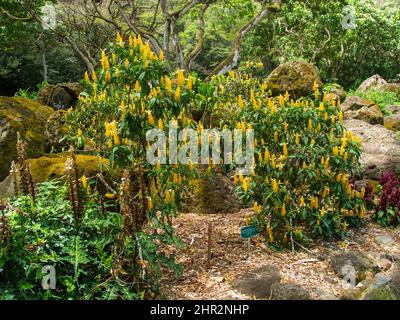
(296, 77)
(380, 148)
(53, 167)
(258, 282)
(60, 96)
(372, 83)
(29, 118)
(355, 103)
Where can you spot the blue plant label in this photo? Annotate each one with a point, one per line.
(248, 232)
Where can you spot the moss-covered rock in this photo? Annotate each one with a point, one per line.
(55, 130)
(372, 115)
(392, 122)
(211, 194)
(296, 77)
(60, 96)
(53, 166)
(29, 118)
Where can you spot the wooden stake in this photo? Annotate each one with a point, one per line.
(209, 245)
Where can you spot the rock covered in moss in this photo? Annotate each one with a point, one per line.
(29, 118)
(60, 96)
(392, 122)
(53, 166)
(55, 130)
(296, 77)
(371, 115)
(211, 194)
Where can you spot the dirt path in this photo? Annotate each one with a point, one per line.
(231, 258)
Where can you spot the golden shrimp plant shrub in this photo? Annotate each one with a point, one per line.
(132, 93)
(304, 160)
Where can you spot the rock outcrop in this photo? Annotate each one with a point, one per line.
(380, 148)
(60, 96)
(27, 117)
(295, 77)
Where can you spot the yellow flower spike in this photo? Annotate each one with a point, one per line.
(167, 196)
(84, 182)
(341, 117)
(160, 124)
(149, 203)
(285, 150)
(267, 155)
(94, 76)
(168, 85)
(240, 176)
(87, 80)
(315, 86)
(285, 126)
(181, 78)
(244, 185)
(107, 129)
(189, 84)
(322, 212)
(312, 142)
(273, 164)
(281, 101)
(304, 165)
(275, 185)
(173, 196)
(345, 226)
(310, 124)
(321, 107)
(126, 63)
(115, 132)
(235, 180)
(109, 195)
(318, 128)
(287, 96)
(257, 208)
(161, 55)
(297, 139)
(177, 94)
(130, 41)
(276, 137)
(137, 87)
(150, 118)
(326, 164)
(335, 151)
(283, 210)
(122, 106)
(362, 193)
(333, 119)
(108, 77)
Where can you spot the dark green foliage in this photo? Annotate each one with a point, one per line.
(95, 261)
